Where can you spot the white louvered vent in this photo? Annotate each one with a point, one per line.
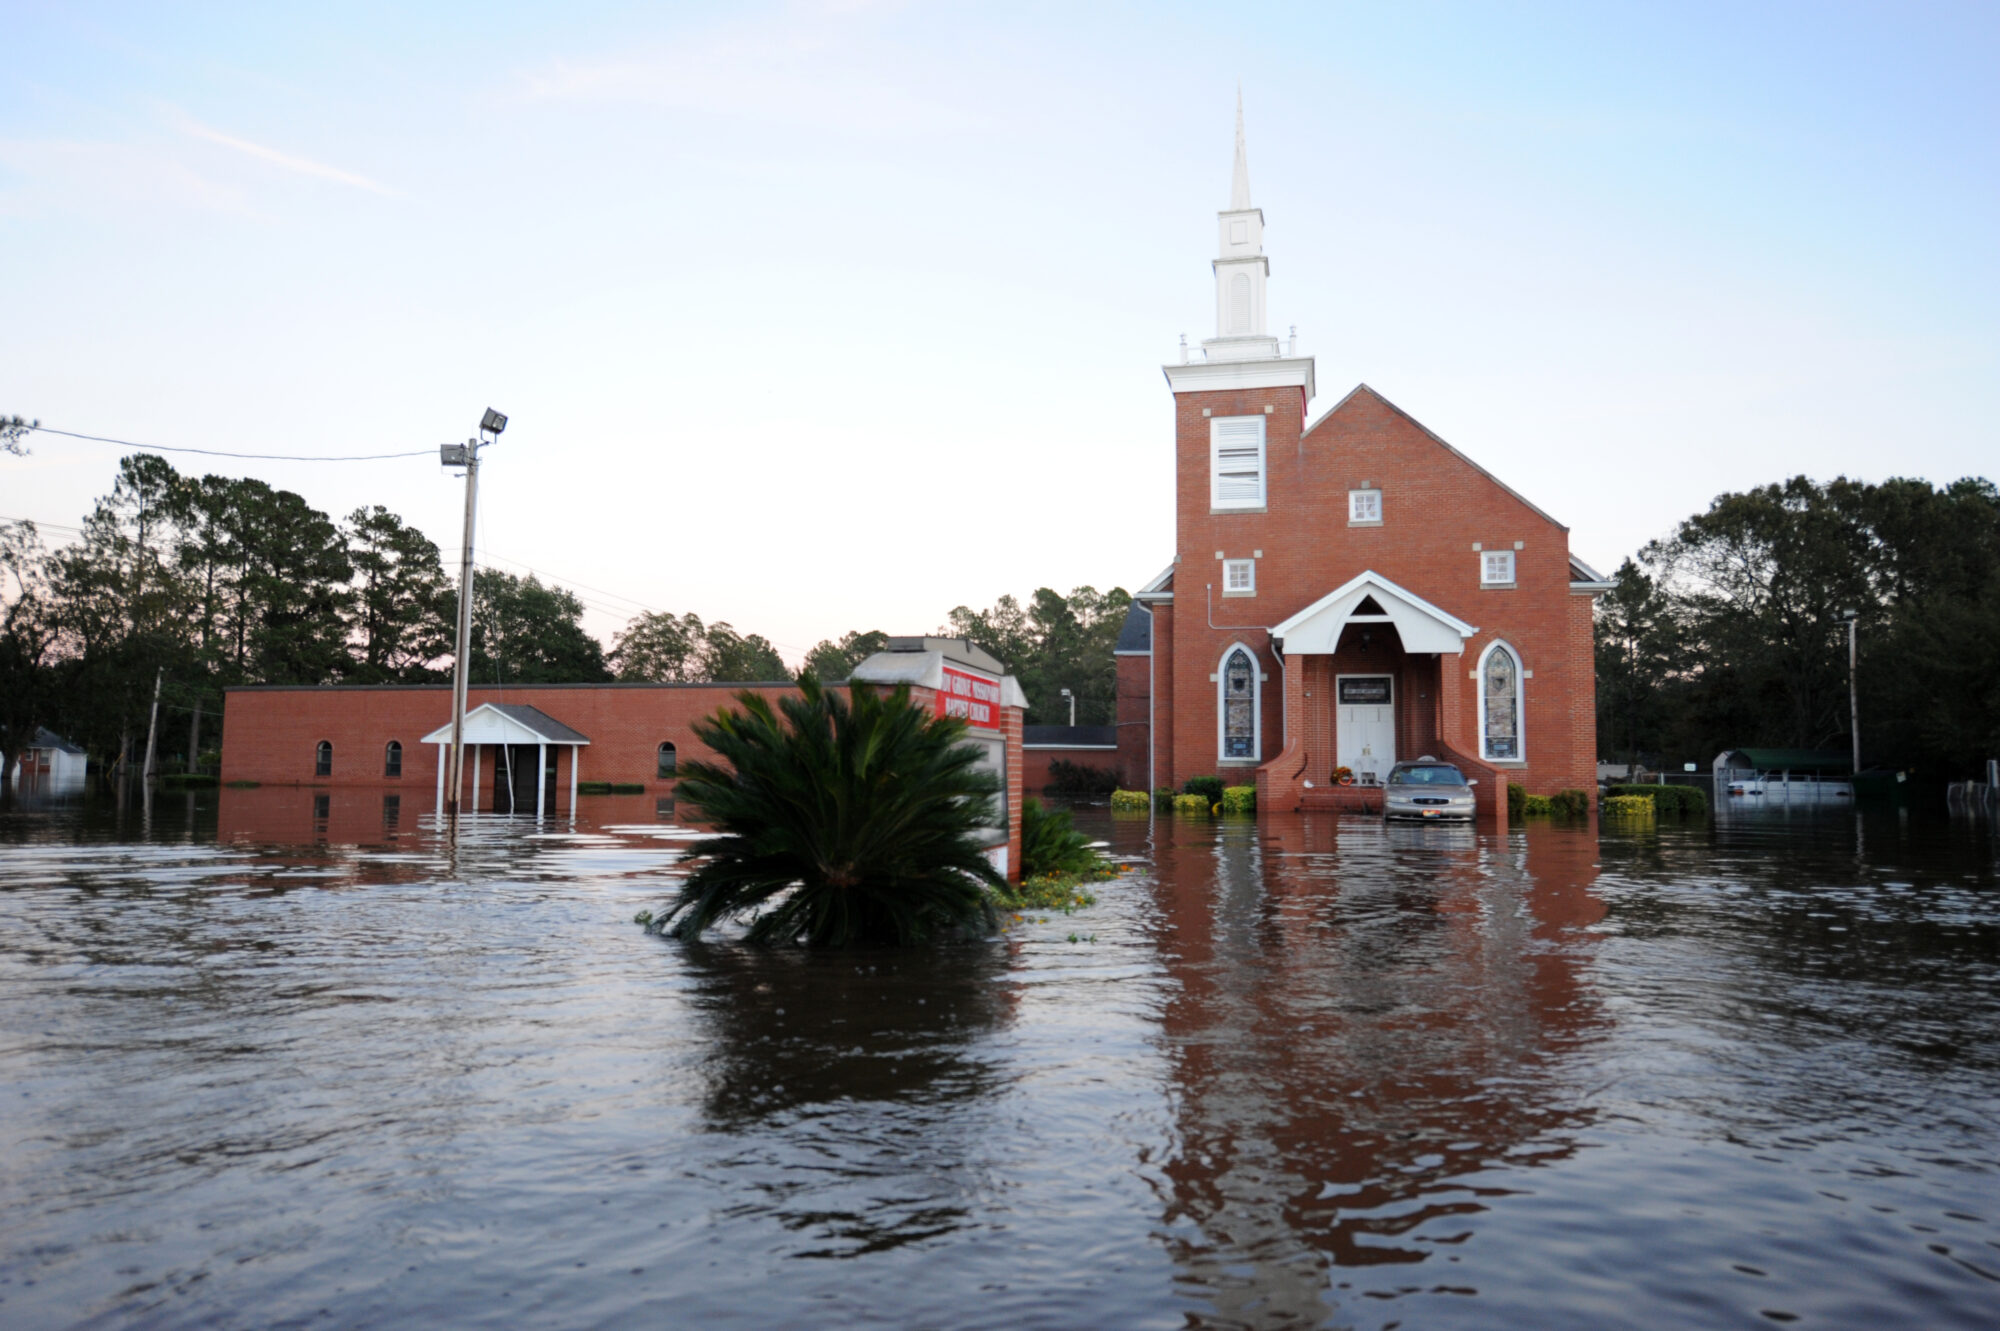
(1236, 461)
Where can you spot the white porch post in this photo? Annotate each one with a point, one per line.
(475, 776)
(575, 752)
(541, 776)
(440, 754)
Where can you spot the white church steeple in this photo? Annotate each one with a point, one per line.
(1241, 270)
(1242, 354)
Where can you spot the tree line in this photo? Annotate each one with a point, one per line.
(204, 582)
(1731, 630)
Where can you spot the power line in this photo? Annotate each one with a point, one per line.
(220, 453)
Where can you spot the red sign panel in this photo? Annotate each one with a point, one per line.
(973, 699)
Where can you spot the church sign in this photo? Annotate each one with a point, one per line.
(1369, 690)
(971, 698)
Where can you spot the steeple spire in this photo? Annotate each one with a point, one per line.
(1239, 183)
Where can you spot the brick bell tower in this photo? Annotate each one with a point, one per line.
(1239, 403)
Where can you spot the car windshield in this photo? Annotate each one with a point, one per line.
(1426, 776)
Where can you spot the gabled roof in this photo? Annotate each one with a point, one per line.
(1422, 626)
(1359, 389)
(48, 739)
(1161, 588)
(1135, 635)
(509, 723)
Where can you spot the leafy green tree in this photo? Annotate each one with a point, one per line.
(1638, 664)
(729, 657)
(525, 632)
(840, 823)
(13, 429)
(836, 660)
(395, 622)
(1058, 642)
(658, 648)
(26, 636)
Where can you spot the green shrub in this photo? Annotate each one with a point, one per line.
(593, 787)
(1192, 805)
(1208, 787)
(628, 787)
(1239, 799)
(1050, 843)
(1063, 892)
(243, 785)
(1668, 799)
(188, 781)
(1628, 806)
(1570, 803)
(1130, 801)
(1068, 778)
(841, 821)
(1163, 800)
(1535, 806)
(1517, 801)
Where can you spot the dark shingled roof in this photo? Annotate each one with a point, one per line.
(539, 721)
(1070, 736)
(1136, 633)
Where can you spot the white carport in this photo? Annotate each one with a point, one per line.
(505, 724)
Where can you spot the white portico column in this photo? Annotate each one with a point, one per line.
(475, 776)
(440, 753)
(541, 776)
(575, 752)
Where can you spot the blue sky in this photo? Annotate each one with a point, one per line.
(817, 317)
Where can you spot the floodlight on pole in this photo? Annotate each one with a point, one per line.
(1072, 705)
(466, 455)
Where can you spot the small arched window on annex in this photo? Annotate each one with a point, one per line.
(1501, 738)
(669, 759)
(1239, 720)
(392, 758)
(323, 758)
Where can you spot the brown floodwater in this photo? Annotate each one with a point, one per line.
(269, 1061)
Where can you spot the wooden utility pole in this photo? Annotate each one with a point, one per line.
(152, 727)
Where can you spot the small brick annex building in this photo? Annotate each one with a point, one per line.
(636, 736)
(1346, 591)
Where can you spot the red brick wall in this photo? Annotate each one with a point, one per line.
(270, 736)
(1134, 706)
(1036, 761)
(1435, 505)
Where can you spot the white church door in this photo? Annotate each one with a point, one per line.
(1365, 725)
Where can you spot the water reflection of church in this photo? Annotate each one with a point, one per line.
(1366, 1045)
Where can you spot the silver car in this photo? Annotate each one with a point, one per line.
(1427, 790)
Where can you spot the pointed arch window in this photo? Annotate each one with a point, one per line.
(1500, 704)
(392, 758)
(323, 758)
(669, 760)
(1236, 685)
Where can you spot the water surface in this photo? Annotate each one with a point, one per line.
(282, 1063)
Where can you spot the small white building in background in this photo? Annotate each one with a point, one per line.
(50, 764)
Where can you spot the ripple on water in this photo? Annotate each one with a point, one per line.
(1304, 1072)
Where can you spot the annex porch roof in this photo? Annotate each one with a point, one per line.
(1423, 627)
(509, 723)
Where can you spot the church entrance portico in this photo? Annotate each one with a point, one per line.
(1364, 725)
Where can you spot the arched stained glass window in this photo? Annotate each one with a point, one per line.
(1500, 704)
(669, 760)
(323, 758)
(1239, 705)
(1239, 303)
(392, 758)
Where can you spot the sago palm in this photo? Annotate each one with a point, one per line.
(840, 821)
